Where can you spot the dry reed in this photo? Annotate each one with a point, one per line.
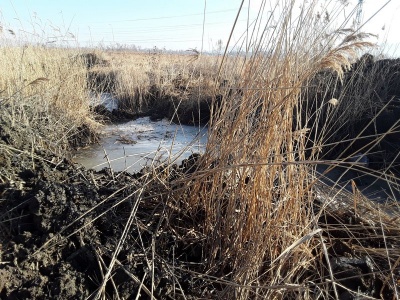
(45, 89)
(265, 218)
(253, 183)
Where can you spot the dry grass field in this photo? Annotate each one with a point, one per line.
(178, 85)
(248, 219)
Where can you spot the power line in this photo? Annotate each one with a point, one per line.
(359, 13)
(127, 30)
(168, 17)
(145, 41)
(204, 22)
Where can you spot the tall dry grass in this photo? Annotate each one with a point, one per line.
(253, 185)
(45, 89)
(141, 80)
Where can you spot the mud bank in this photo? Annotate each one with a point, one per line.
(186, 113)
(365, 114)
(61, 224)
(181, 99)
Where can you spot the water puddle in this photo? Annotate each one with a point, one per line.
(139, 143)
(377, 188)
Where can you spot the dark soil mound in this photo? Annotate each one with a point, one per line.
(181, 112)
(158, 107)
(367, 115)
(61, 228)
(61, 224)
(114, 116)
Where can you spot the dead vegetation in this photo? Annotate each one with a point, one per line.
(249, 219)
(44, 90)
(176, 86)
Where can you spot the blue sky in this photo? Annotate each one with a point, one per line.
(170, 24)
(174, 24)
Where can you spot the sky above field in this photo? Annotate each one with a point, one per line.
(165, 24)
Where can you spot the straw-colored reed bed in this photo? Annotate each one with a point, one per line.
(264, 226)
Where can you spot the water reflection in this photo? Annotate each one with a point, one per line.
(133, 145)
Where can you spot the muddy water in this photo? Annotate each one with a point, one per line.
(133, 145)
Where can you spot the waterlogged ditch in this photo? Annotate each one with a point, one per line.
(133, 145)
(61, 223)
(63, 226)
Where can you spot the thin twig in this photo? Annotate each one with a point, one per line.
(329, 266)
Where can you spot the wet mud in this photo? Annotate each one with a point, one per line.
(366, 116)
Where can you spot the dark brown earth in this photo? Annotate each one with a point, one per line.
(60, 225)
(367, 117)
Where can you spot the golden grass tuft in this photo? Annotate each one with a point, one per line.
(46, 88)
(254, 185)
